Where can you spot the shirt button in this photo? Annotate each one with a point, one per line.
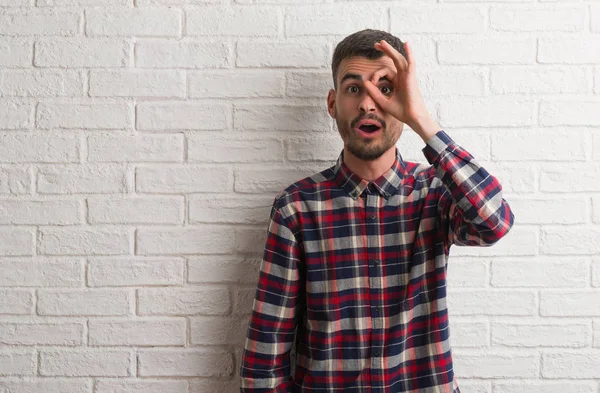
(377, 352)
(372, 217)
(376, 310)
(375, 262)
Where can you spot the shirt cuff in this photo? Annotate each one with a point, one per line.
(436, 145)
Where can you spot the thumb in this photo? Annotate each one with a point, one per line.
(376, 95)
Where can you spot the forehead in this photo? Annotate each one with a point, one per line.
(362, 66)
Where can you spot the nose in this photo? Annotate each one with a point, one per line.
(367, 104)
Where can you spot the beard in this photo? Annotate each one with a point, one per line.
(367, 149)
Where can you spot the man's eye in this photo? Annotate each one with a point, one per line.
(386, 89)
(352, 89)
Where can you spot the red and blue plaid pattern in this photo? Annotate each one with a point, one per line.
(359, 269)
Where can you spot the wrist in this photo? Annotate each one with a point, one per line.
(426, 127)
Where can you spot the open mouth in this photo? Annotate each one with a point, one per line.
(369, 128)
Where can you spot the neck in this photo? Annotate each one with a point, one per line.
(370, 170)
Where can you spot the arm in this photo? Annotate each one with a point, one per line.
(265, 365)
(470, 201)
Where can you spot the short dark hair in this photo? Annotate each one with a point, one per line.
(361, 44)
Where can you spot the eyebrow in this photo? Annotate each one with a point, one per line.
(358, 77)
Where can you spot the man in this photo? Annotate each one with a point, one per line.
(356, 255)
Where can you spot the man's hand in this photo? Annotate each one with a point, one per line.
(405, 102)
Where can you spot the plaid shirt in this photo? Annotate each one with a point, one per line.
(359, 269)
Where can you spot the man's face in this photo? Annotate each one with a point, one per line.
(351, 104)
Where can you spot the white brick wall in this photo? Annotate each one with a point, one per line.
(142, 142)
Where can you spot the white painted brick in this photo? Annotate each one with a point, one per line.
(492, 302)
(186, 240)
(46, 385)
(244, 300)
(536, 18)
(452, 82)
(213, 385)
(585, 364)
(79, 363)
(542, 80)
(570, 303)
(102, 178)
(185, 363)
(467, 334)
(188, 178)
(128, 271)
(569, 112)
(145, 3)
(78, 52)
(181, 116)
(230, 209)
(468, 272)
(68, 3)
(137, 332)
(340, 19)
(569, 50)
(48, 212)
(40, 333)
(595, 18)
(541, 334)
(15, 180)
(308, 84)
(149, 148)
(475, 51)
(314, 148)
(219, 149)
(44, 272)
(476, 364)
(522, 386)
(221, 268)
(596, 333)
(542, 144)
(83, 241)
(596, 138)
(181, 54)
(159, 21)
(14, 115)
(570, 241)
(534, 210)
(475, 385)
(487, 112)
(266, 179)
(155, 210)
(224, 21)
(16, 241)
(220, 84)
(579, 177)
(218, 330)
(15, 51)
(446, 19)
(93, 116)
(596, 272)
(92, 302)
(543, 273)
(280, 118)
(179, 301)
(18, 363)
(137, 83)
(518, 242)
(250, 240)
(43, 83)
(282, 54)
(16, 148)
(137, 386)
(39, 22)
(16, 302)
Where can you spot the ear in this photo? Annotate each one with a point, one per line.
(331, 103)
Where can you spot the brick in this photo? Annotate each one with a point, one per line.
(41, 333)
(313, 148)
(596, 138)
(468, 272)
(46, 385)
(281, 54)
(28, 148)
(44, 272)
(188, 178)
(181, 116)
(17, 362)
(583, 177)
(571, 113)
(181, 54)
(473, 364)
(179, 301)
(569, 303)
(446, 19)
(244, 299)
(213, 385)
(15, 51)
(596, 272)
(539, 80)
(541, 334)
(129, 271)
(530, 18)
(15, 115)
(220, 269)
(89, 116)
(218, 330)
(480, 51)
(543, 273)
(91, 302)
(455, 82)
(241, 84)
(340, 19)
(82, 53)
(568, 50)
(145, 148)
(137, 83)
(186, 240)
(492, 302)
(39, 22)
(475, 386)
(137, 332)
(596, 333)
(564, 210)
(279, 118)
(68, 3)
(538, 145)
(134, 210)
(570, 241)
(15, 302)
(567, 386)
(15, 241)
(43, 83)
(519, 241)
(46, 212)
(250, 240)
(267, 180)
(137, 386)
(308, 84)
(487, 112)
(579, 365)
(88, 179)
(230, 209)
(184, 363)
(219, 149)
(80, 363)
(15, 180)
(159, 21)
(469, 334)
(83, 241)
(233, 21)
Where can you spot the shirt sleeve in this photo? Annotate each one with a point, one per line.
(470, 203)
(265, 365)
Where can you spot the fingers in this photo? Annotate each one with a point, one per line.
(377, 95)
(386, 72)
(399, 61)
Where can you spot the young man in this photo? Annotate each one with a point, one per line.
(356, 255)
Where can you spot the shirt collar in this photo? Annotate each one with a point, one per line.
(386, 185)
